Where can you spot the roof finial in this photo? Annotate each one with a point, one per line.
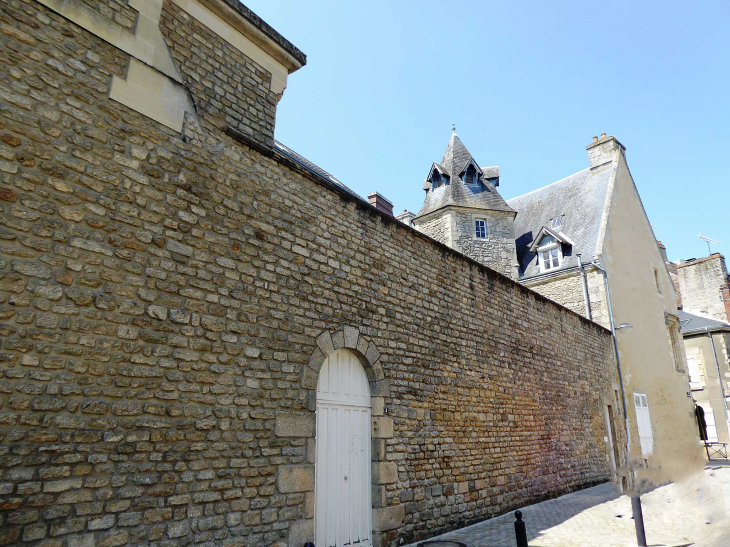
(453, 128)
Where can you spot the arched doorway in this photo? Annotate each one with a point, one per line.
(342, 490)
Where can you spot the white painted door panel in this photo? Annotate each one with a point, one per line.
(343, 513)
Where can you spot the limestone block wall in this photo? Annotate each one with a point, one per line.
(438, 227)
(567, 290)
(455, 227)
(166, 299)
(702, 283)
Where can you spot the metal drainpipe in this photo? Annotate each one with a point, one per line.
(586, 298)
(719, 375)
(635, 499)
(618, 360)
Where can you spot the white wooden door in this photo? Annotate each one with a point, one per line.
(342, 493)
(710, 421)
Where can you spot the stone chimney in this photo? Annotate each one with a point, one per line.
(406, 217)
(602, 151)
(379, 201)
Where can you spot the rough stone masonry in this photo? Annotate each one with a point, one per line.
(166, 300)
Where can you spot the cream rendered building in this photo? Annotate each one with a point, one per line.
(596, 217)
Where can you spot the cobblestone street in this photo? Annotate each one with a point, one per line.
(694, 513)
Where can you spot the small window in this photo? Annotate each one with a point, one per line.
(471, 174)
(657, 281)
(557, 222)
(550, 259)
(480, 229)
(436, 180)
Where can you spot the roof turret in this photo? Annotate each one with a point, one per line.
(459, 181)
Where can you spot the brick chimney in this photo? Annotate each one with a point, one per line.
(602, 151)
(380, 203)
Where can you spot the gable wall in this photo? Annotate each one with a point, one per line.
(630, 254)
(163, 298)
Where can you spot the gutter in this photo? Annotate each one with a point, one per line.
(618, 359)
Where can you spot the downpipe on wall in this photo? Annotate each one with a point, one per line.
(635, 499)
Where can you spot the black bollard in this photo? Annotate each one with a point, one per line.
(520, 530)
(638, 520)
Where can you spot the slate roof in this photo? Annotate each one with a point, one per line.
(697, 323)
(580, 198)
(311, 167)
(482, 195)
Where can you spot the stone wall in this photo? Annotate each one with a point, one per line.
(166, 300)
(703, 283)
(567, 290)
(232, 90)
(437, 227)
(455, 227)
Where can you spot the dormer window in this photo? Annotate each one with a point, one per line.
(550, 259)
(470, 175)
(549, 254)
(435, 180)
(557, 222)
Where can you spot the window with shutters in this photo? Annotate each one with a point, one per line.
(643, 420)
(696, 376)
(470, 175)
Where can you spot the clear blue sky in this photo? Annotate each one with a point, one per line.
(528, 84)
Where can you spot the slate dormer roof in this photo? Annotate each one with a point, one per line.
(580, 200)
(480, 195)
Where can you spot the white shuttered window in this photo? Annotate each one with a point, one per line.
(644, 422)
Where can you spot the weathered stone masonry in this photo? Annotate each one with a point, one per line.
(166, 301)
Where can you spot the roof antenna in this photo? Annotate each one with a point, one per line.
(708, 241)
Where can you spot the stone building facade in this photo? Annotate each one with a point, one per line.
(172, 281)
(704, 288)
(463, 209)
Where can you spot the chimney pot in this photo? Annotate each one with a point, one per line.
(379, 201)
(595, 139)
(603, 136)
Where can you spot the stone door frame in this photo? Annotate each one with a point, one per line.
(385, 518)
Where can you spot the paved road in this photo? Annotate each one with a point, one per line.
(695, 513)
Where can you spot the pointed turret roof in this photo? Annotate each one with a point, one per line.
(480, 195)
(456, 156)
